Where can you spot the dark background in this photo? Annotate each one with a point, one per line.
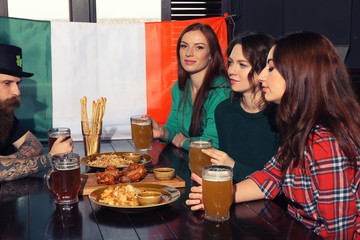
(338, 20)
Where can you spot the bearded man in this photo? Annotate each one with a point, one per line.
(21, 153)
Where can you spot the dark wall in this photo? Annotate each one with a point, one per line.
(353, 58)
(337, 20)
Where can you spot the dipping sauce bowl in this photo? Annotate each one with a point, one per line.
(164, 173)
(135, 157)
(149, 198)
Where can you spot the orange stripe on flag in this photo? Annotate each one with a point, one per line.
(161, 64)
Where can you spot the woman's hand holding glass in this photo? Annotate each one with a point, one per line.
(159, 131)
(162, 133)
(195, 197)
(219, 157)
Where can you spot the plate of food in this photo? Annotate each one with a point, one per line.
(125, 196)
(102, 160)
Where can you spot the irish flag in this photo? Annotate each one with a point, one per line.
(133, 66)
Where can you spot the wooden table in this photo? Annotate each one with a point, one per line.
(27, 211)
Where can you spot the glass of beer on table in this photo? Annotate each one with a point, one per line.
(217, 187)
(54, 133)
(198, 159)
(65, 176)
(141, 132)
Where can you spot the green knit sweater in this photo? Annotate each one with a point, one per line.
(179, 121)
(251, 139)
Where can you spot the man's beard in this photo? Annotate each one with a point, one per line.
(7, 109)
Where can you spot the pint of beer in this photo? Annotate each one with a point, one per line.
(198, 159)
(55, 133)
(65, 175)
(141, 132)
(217, 192)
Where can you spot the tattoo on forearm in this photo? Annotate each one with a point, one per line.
(14, 168)
(30, 148)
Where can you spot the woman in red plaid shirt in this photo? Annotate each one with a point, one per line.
(317, 166)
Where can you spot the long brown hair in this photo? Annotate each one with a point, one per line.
(255, 47)
(318, 91)
(215, 68)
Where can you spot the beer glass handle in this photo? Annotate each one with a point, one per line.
(47, 177)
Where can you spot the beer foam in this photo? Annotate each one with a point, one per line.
(141, 123)
(58, 134)
(200, 144)
(217, 175)
(66, 167)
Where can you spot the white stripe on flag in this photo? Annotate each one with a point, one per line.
(98, 60)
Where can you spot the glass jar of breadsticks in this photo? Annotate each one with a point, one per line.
(92, 129)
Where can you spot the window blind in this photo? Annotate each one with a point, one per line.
(193, 9)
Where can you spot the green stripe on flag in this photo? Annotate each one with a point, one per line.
(34, 37)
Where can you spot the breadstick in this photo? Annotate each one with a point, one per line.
(92, 132)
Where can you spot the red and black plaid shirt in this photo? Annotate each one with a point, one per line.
(324, 195)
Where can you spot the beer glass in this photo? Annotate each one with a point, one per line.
(65, 175)
(141, 132)
(54, 133)
(198, 159)
(217, 192)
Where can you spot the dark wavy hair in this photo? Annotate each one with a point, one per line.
(318, 91)
(256, 47)
(215, 69)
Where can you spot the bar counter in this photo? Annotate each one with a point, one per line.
(29, 212)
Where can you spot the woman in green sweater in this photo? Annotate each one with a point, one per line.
(202, 84)
(246, 127)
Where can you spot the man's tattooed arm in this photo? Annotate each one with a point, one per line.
(30, 148)
(15, 168)
(26, 161)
